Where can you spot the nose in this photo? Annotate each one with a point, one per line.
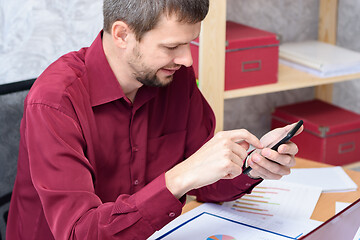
(184, 56)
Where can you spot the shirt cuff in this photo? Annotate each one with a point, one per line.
(157, 204)
(245, 166)
(246, 182)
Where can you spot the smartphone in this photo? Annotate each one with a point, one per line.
(283, 139)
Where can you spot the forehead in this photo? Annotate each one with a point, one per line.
(170, 30)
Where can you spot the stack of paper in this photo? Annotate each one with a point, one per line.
(319, 58)
(330, 179)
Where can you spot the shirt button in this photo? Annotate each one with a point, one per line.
(248, 184)
(135, 149)
(136, 182)
(172, 214)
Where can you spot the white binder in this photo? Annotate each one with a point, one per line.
(319, 58)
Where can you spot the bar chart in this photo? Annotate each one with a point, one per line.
(274, 198)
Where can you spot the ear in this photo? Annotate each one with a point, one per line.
(120, 32)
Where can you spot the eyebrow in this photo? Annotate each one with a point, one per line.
(172, 44)
(176, 43)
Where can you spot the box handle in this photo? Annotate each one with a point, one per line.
(346, 147)
(250, 66)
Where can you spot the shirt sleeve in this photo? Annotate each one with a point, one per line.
(201, 125)
(63, 179)
(226, 190)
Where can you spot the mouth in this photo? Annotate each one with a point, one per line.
(169, 71)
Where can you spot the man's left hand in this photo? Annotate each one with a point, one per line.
(281, 160)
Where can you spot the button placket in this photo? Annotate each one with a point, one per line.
(134, 148)
(137, 139)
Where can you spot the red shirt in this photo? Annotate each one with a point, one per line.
(91, 163)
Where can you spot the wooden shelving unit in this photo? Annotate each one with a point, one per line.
(289, 79)
(212, 61)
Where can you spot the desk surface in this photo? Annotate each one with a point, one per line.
(325, 207)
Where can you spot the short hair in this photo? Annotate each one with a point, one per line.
(143, 15)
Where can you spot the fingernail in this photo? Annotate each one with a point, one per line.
(283, 149)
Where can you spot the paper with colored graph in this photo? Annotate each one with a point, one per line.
(212, 221)
(276, 198)
(208, 226)
(274, 210)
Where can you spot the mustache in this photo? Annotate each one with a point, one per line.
(173, 66)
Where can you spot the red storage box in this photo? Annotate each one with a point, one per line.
(251, 58)
(331, 134)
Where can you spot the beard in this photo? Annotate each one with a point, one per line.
(145, 74)
(149, 78)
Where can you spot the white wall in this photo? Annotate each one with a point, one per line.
(34, 33)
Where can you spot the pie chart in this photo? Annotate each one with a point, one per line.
(220, 237)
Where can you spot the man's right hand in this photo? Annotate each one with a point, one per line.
(222, 157)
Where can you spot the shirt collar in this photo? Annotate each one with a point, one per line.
(103, 85)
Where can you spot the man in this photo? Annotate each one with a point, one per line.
(112, 135)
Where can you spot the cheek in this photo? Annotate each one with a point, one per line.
(158, 62)
(158, 58)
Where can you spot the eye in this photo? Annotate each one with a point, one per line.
(172, 48)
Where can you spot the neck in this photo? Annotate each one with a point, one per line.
(119, 66)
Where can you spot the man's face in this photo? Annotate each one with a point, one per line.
(162, 51)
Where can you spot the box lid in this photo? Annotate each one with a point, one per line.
(240, 36)
(320, 118)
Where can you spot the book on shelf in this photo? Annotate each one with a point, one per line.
(319, 58)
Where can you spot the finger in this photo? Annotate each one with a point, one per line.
(270, 167)
(223, 142)
(244, 144)
(282, 159)
(236, 168)
(240, 135)
(290, 126)
(288, 148)
(260, 171)
(231, 165)
(299, 130)
(239, 151)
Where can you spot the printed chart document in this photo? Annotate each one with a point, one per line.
(212, 221)
(274, 210)
(330, 179)
(319, 58)
(275, 198)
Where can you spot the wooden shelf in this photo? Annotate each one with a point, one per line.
(289, 79)
(212, 61)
